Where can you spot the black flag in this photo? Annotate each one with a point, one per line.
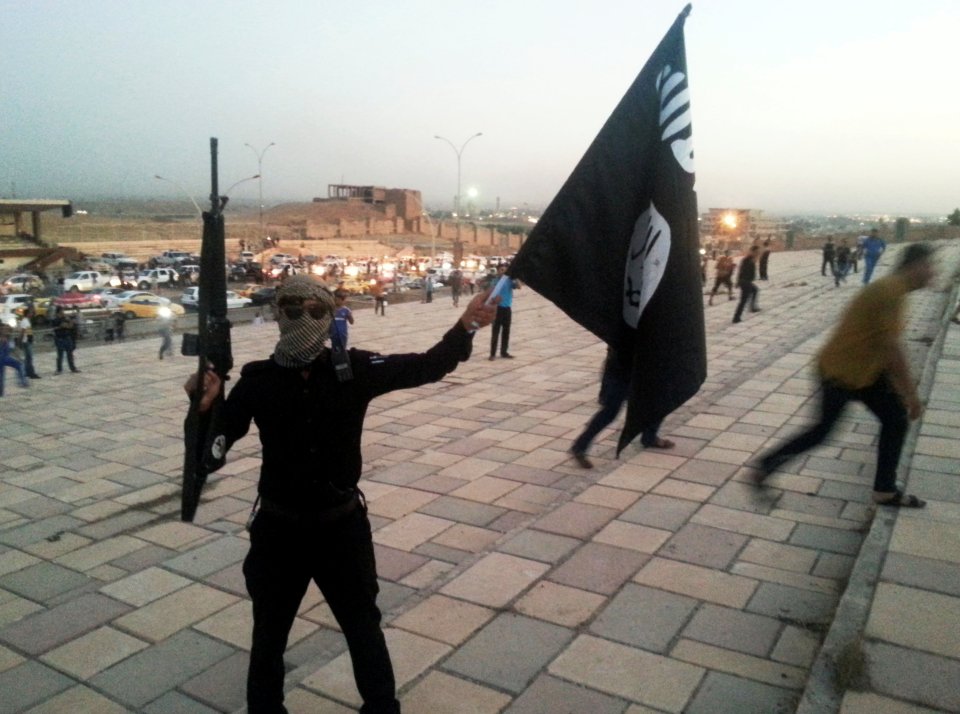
(618, 247)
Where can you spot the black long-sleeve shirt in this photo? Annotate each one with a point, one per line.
(747, 273)
(311, 428)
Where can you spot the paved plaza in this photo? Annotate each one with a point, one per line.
(511, 580)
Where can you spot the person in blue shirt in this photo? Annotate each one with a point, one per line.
(342, 318)
(873, 248)
(501, 325)
(7, 359)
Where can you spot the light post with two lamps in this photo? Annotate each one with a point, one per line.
(193, 200)
(259, 155)
(456, 201)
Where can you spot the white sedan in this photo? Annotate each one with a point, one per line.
(190, 297)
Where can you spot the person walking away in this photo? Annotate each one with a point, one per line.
(828, 256)
(723, 275)
(614, 389)
(873, 248)
(501, 326)
(764, 259)
(64, 336)
(166, 336)
(312, 519)
(25, 340)
(745, 277)
(856, 253)
(842, 264)
(8, 360)
(119, 320)
(456, 286)
(865, 360)
(342, 318)
(379, 299)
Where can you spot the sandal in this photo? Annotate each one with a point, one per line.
(902, 500)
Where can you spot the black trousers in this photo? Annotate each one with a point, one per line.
(747, 292)
(883, 401)
(501, 331)
(284, 557)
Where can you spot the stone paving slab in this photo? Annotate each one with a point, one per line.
(511, 580)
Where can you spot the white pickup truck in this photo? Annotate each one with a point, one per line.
(172, 257)
(162, 276)
(85, 280)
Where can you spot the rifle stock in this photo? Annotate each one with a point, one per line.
(204, 440)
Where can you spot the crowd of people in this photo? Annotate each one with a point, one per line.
(289, 396)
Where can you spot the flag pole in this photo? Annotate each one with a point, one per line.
(498, 288)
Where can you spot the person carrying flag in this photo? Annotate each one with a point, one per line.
(614, 389)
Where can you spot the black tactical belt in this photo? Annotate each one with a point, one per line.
(320, 516)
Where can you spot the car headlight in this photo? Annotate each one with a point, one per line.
(164, 312)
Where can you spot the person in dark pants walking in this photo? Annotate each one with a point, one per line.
(614, 389)
(865, 361)
(765, 259)
(312, 520)
(748, 290)
(64, 338)
(501, 326)
(829, 251)
(166, 336)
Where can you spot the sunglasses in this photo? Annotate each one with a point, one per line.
(294, 308)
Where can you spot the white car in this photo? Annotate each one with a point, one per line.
(9, 305)
(84, 280)
(162, 276)
(191, 296)
(24, 282)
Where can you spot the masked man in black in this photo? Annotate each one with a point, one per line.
(312, 521)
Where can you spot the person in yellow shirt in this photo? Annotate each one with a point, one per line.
(864, 360)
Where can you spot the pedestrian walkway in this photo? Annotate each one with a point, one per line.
(511, 580)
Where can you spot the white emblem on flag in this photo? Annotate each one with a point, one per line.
(674, 98)
(646, 263)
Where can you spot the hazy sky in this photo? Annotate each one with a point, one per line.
(845, 105)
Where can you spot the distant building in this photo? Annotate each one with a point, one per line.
(403, 203)
(740, 227)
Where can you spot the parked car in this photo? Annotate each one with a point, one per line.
(248, 289)
(147, 305)
(278, 258)
(10, 306)
(112, 302)
(191, 296)
(23, 283)
(162, 276)
(247, 256)
(189, 273)
(104, 293)
(172, 257)
(72, 299)
(114, 258)
(85, 280)
(263, 296)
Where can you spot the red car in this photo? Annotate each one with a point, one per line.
(70, 300)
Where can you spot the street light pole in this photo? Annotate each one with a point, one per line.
(185, 192)
(458, 152)
(259, 155)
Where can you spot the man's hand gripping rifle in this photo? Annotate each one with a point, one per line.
(204, 439)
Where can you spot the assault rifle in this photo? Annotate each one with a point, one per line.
(204, 441)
